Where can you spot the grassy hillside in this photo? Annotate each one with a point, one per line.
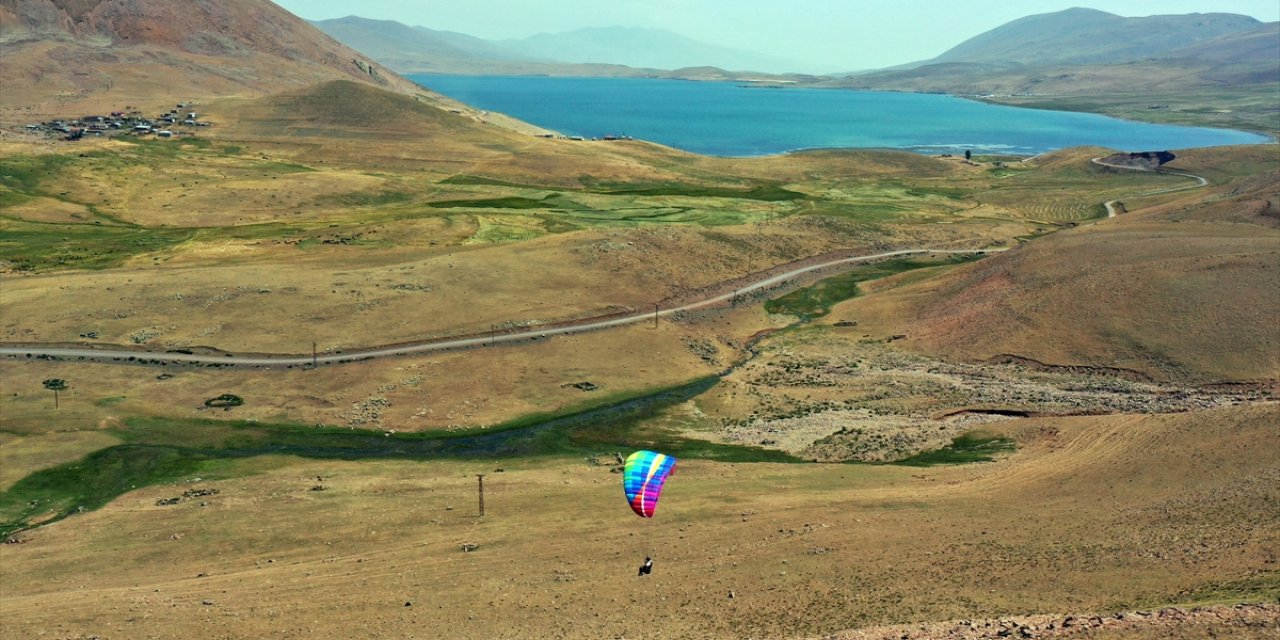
(1180, 290)
(740, 549)
(886, 443)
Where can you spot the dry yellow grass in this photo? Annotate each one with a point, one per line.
(306, 216)
(1185, 291)
(1093, 514)
(482, 386)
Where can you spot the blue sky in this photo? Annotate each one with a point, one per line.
(826, 35)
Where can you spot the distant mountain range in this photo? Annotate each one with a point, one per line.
(419, 49)
(1088, 36)
(1071, 52)
(639, 47)
(610, 51)
(1084, 50)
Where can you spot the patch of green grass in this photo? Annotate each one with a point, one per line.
(10, 198)
(32, 246)
(364, 199)
(972, 446)
(464, 179)
(950, 193)
(1263, 586)
(512, 202)
(159, 450)
(762, 192)
(816, 301)
(276, 166)
(106, 402)
(25, 174)
(639, 216)
(53, 494)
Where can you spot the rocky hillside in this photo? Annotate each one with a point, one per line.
(102, 53)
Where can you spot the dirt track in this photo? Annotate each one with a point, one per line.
(1110, 204)
(716, 296)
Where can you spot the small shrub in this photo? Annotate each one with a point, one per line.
(225, 401)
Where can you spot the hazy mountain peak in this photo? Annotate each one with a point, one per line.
(1089, 36)
(642, 47)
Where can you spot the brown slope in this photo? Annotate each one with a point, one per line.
(1186, 290)
(348, 124)
(65, 56)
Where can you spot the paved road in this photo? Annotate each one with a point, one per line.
(118, 354)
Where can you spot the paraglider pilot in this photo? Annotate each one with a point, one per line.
(646, 568)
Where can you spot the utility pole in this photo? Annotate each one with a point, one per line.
(480, 479)
(655, 315)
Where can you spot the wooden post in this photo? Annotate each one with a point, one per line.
(655, 315)
(480, 479)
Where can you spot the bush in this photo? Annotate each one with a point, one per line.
(226, 401)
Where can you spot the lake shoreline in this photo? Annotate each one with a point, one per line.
(727, 119)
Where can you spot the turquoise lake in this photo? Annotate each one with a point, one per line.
(727, 119)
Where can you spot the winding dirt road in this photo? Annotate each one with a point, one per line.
(1110, 204)
(116, 354)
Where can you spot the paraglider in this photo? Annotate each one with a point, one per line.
(643, 475)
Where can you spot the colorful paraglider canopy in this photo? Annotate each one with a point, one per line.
(643, 475)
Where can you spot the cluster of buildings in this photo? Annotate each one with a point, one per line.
(133, 122)
(584, 138)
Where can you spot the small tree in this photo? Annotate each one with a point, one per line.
(967, 154)
(55, 385)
